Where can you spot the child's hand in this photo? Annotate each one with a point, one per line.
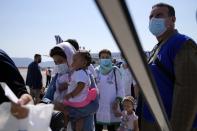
(68, 96)
(58, 106)
(115, 110)
(63, 86)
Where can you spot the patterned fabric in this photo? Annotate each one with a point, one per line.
(127, 121)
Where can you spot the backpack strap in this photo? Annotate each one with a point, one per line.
(92, 81)
(114, 71)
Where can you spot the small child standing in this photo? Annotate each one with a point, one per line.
(129, 120)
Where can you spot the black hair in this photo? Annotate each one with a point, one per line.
(74, 43)
(104, 51)
(36, 56)
(171, 11)
(86, 55)
(57, 51)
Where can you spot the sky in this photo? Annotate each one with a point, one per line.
(28, 26)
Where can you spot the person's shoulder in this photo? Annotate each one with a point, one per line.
(91, 66)
(97, 69)
(81, 72)
(184, 38)
(2, 53)
(191, 42)
(116, 69)
(189, 46)
(31, 64)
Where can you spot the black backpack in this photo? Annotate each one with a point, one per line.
(57, 121)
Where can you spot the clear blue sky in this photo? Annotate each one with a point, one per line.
(28, 26)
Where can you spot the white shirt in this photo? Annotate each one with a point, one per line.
(92, 70)
(127, 120)
(108, 93)
(128, 80)
(79, 76)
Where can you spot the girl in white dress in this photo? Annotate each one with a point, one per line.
(129, 120)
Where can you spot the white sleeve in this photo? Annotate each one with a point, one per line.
(97, 72)
(92, 70)
(81, 76)
(119, 81)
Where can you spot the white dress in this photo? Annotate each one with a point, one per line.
(79, 76)
(127, 121)
(107, 88)
(128, 80)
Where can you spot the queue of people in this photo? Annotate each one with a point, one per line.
(92, 98)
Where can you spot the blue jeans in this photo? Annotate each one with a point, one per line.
(87, 112)
(88, 124)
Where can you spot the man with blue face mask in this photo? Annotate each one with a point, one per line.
(174, 66)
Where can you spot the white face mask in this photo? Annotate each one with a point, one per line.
(157, 26)
(62, 68)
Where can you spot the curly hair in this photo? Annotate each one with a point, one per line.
(86, 55)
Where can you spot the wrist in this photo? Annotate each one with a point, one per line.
(24, 99)
(118, 99)
(71, 95)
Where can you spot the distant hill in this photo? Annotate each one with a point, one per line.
(24, 62)
(47, 64)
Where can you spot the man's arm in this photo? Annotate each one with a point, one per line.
(11, 76)
(185, 89)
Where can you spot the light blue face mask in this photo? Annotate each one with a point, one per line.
(105, 62)
(62, 68)
(105, 66)
(157, 26)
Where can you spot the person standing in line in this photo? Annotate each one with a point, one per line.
(129, 120)
(63, 57)
(111, 91)
(174, 66)
(34, 78)
(48, 76)
(128, 79)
